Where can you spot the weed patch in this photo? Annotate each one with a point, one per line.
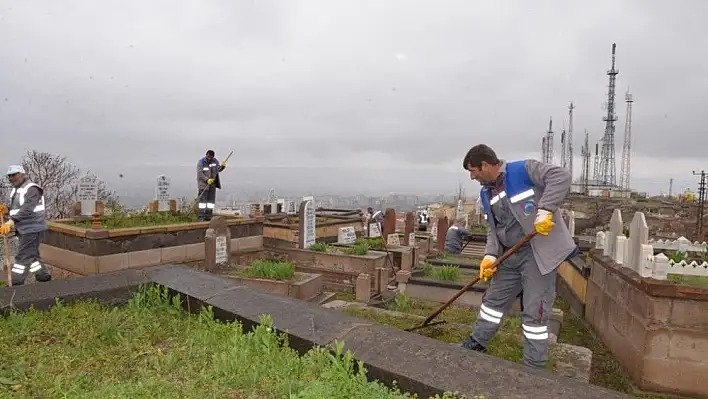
(269, 269)
(152, 348)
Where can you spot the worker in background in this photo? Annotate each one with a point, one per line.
(456, 237)
(377, 217)
(519, 198)
(27, 217)
(423, 220)
(208, 169)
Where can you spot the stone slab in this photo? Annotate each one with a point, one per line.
(417, 363)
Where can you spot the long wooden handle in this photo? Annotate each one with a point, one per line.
(496, 264)
(227, 158)
(6, 253)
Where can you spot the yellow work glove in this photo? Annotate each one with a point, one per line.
(486, 269)
(223, 165)
(3, 209)
(210, 181)
(544, 222)
(6, 227)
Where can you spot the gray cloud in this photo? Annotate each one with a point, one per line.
(146, 87)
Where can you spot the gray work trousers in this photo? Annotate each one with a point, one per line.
(28, 260)
(518, 273)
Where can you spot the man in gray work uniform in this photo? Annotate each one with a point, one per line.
(26, 213)
(518, 198)
(456, 237)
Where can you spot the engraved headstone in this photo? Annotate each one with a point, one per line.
(374, 230)
(638, 236)
(162, 193)
(393, 240)
(411, 240)
(346, 235)
(616, 228)
(88, 195)
(217, 244)
(307, 226)
(291, 209)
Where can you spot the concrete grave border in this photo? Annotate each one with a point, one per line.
(419, 364)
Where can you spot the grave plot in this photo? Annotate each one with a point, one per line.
(282, 230)
(280, 278)
(405, 312)
(152, 345)
(107, 348)
(118, 241)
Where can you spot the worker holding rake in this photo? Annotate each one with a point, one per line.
(520, 198)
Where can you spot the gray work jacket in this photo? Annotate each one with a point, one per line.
(27, 208)
(551, 186)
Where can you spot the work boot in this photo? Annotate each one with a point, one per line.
(471, 344)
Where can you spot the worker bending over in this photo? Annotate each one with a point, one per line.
(377, 217)
(456, 237)
(518, 198)
(208, 181)
(26, 215)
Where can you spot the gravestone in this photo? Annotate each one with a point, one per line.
(443, 225)
(393, 240)
(571, 223)
(389, 226)
(460, 212)
(162, 193)
(281, 205)
(346, 235)
(291, 209)
(374, 229)
(408, 228)
(638, 236)
(434, 230)
(616, 229)
(88, 195)
(255, 210)
(307, 226)
(217, 244)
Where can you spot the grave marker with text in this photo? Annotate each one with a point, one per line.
(347, 235)
(88, 195)
(307, 226)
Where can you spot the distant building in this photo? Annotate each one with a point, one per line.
(598, 189)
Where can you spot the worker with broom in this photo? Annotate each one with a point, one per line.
(456, 237)
(208, 181)
(520, 198)
(27, 217)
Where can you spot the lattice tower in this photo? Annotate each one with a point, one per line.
(569, 138)
(585, 154)
(626, 147)
(607, 157)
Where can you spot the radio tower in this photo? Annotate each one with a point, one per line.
(626, 147)
(607, 157)
(548, 144)
(564, 152)
(543, 149)
(596, 164)
(569, 138)
(585, 154)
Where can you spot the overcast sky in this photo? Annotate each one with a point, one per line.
(347, 95)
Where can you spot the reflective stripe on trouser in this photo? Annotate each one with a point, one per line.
(207, 201)
(28, 260)
(517, 272)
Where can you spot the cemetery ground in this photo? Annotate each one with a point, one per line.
(151, 347)
(605, 370)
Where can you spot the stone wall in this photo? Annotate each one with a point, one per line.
(657, 329)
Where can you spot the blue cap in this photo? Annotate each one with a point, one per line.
(14, 169)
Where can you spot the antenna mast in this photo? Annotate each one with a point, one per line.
(596, 164)
(607, 162)
(585, 172)
(569, 138)
(548, 144)
(627, 147)
(564, 152)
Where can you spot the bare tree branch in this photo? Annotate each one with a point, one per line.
(60, 180)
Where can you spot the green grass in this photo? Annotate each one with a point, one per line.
(449, 273)
(695, 281)
(269, 269)
(319, 246)
(151, 348)
(506, 344)
(358, 249)
(143, 219)
(373, 243)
